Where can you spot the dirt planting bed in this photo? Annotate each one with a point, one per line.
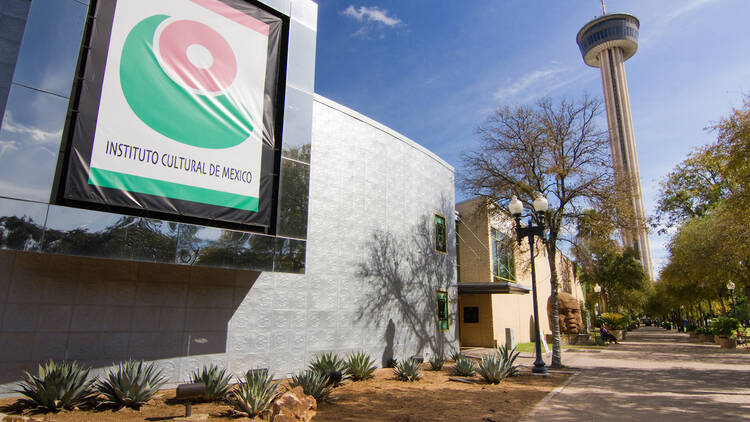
(433, 398)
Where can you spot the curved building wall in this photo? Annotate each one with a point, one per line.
(370, 280)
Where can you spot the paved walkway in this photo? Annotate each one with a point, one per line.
(655, 375)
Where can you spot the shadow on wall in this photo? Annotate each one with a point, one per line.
(101, 311)
(403, 274)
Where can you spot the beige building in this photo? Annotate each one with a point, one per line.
(494, 277)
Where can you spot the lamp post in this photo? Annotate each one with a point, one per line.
(598, 291)
(730, 287)
(516, 209)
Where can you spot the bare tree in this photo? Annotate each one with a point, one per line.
(558, 150)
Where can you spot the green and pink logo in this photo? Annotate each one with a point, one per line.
(177, 76)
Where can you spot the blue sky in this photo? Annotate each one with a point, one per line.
(434, 70)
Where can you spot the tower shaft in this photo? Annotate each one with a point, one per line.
(622, 144)
(606, 42)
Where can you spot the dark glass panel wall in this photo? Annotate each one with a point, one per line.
(39, 45)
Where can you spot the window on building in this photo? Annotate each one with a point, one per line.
(441, 243)
(503, 262)
(471, 314)
(442, 310)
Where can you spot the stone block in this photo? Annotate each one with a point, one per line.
(101, 318)
(54, 317)
(207, 319)
(163, 294)
(20, 317)
(206, 295)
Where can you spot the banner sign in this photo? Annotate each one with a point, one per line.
(178, 110)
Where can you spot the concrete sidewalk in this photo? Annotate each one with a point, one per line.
(655, 375)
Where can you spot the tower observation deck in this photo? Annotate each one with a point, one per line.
(606, 42)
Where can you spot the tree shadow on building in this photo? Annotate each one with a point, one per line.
(403, 273)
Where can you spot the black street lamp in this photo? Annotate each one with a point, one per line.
(730, 287)
(516, 209)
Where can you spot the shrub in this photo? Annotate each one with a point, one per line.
(437, 362)
(408, 370)
(725, 326)
(359, 366)
(455, 356)
(255, 393)
(216, 381)
(313, 384)
(131, 384)
(496, 368)
(330, 365)
(703, 330)
(614, 321)
(58, 386)
(464, 367)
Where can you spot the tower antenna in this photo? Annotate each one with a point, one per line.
(604, 10)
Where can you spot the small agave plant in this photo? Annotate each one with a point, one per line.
(437, 362)
(464, 367)
(130, 384)
(216, 381)
(58, 386)
(313, 384)
(408, 370)
(255, 393)
(332, 366)
(359, 366)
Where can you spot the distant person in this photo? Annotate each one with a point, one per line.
(607, 336)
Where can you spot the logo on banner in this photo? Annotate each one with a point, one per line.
(177, 76)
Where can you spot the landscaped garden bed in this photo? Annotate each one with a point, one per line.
(346, 389)
(381, 398)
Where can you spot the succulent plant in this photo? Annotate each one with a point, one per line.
(216, 381)
(491, 369)
(130, 384)
(408, 370)
(455, 356)
(437, 362)
(313, 384)
(509, 357)
(255, 393)
(332, 366)
(359, 366)
(58, 386)
(464, 367)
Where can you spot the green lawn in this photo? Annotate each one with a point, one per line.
(529, 347)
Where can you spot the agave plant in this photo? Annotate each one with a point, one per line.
(330, 365)
(216, 381)
(313, 384)
(359, 366)
(58, 386)
(456, 355)
(464, 367)
(509, 357)
(130, 384)
(255, 393)
(437, 362)
(408, 370)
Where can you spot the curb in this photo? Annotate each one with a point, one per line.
(547, 398)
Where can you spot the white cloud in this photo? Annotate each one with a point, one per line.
(6, 146)
(372, 18)
(662, 21)
(37, 135)
(371, 15)
(537, 80)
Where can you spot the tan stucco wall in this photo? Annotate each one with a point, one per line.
(513, 311)
(474, 233)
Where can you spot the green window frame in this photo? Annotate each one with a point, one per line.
(441, 237)
(442, 310)
(503, 259)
